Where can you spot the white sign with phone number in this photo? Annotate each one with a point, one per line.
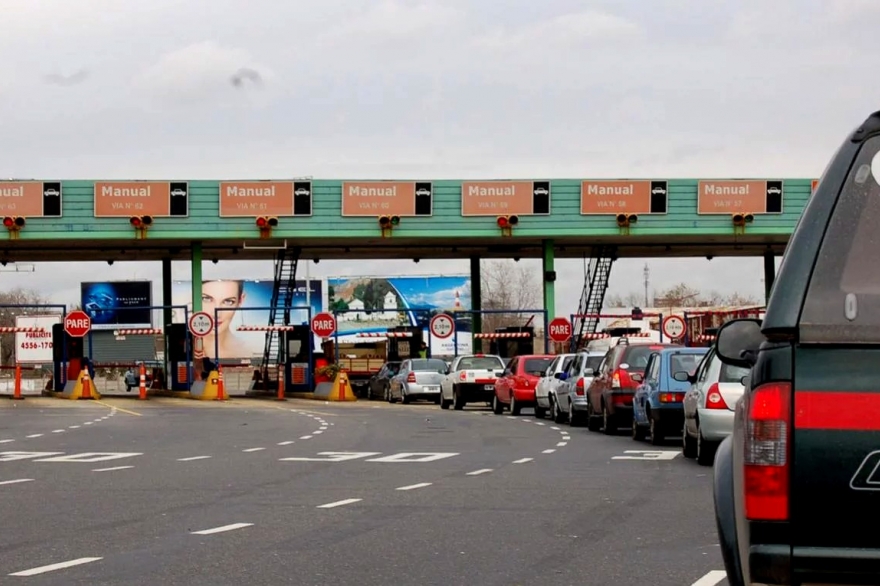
(35, 347)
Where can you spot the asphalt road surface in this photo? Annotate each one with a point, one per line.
(247, 492)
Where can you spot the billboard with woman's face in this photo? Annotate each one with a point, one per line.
(240, 304)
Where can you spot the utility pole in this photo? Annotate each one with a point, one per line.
(647, 273)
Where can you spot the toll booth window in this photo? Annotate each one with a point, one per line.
(536, 366)
(429, 365)
(843, 298)
(685, 363)
(480, 363)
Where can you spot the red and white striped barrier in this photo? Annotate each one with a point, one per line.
(385, 335)
(639, 335)
(504, 335)
(595, 336)
(137, 332)
(265, 328)
(11, 330)
(705, 338)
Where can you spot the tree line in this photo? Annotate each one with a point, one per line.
(680, 295)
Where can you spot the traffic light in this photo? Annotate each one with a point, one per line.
(140, 224)
(13, 224)
(506, 223)
(387, 223)
(637, 314)
(740, 220)
(626, 220)
(265, 224)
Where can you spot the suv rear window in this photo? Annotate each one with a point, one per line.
(843, 298)
(480, 363)
(637, 356)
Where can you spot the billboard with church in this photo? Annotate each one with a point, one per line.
(374, 304)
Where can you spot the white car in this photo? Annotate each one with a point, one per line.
(548, 383)
(471, 379)
(569, 398)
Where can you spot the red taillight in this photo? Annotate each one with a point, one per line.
(714, 400)
(462, 375)
(621, 380)
(765, 452)
(671, 397)
(411, 377)
(579, 388)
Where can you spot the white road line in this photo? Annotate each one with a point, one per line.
(522, 460)
(306, 437)
(58, 430)
(191, 458)
(112, 469)
(74, 427)
(414, 486)
(53, 567)
(555, 428)
(481, 471)
(6, 441)
(339, 503)
(284, 443)
(17, 481)
(550, 451)
(232, 527)
(511, 417)
(561, 444)
(253, 449)
(539, 423)
(711, 579)
(88, 422)
(35, 435)
(566, 438)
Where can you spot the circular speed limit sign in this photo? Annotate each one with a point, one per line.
(674, 327)
(201, 324)
(442, 326)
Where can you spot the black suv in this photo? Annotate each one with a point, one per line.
(803, 464)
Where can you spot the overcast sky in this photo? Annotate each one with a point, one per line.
(431, 89)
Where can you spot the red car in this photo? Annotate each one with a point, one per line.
(515, 389)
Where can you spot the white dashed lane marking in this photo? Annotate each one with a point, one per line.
(561, 444)
(53, 567)
(522, 460)
(253, 449)
(223, 529)
(6, 441)
(58, 430)
(478, 472)
(305, 437)
(192, 458)
(414, 486)
(711, 579)
(555, 428)
(284, 443)
(16, 481)
(35, 435)
(112, 469)
(550, 451)
(339, 503)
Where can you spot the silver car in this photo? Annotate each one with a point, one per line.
(548, 383)
(418, 378)
(709, 406)
(569, 401)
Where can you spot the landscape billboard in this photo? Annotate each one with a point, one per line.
(239, 300)
(371, 304)
(118, 304)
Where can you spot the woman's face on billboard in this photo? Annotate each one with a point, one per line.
(221, 295)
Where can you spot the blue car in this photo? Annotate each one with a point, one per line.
(658, 406)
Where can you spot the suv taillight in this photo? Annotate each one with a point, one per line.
(714, 400)
(579, 387)
(766, 452)
(411, 377)
(462, 375)
(620, 380)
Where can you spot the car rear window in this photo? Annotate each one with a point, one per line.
(536, 366)
(594, 362)
(843, 298)
(566, 363)
(430, 364)
(480, 363)
(684, 363)
(732, 374)
(637, 356)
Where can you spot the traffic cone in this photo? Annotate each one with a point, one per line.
(221, 389)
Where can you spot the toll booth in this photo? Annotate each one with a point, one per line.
(67, 357)
(512, 341)
(406, 344)
(179, 365)
(298, 358)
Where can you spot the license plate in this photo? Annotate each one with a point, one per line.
(489, 387)
(432, 389)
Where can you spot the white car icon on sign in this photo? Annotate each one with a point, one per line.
(658, 191)
(774, 191)
(51, 193)
(423, 191)
(302, 191)
(178, 193)
(542, 191)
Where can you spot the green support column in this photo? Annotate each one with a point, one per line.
(549, 279)
(476, 301)
(197, 277)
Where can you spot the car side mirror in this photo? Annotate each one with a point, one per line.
(738, 341)
(636, 377)
(682, 376)
(499, 373)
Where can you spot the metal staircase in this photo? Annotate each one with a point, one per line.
(596, 279)
(283, 292)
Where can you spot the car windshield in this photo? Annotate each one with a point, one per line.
(480, 363)
(637, 357)
(732, 374)
(843, 299)
(536, 366)
(684, 363)
(429, 365)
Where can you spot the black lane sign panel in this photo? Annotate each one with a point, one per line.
(302, 198)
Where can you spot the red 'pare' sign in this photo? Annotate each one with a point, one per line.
(77, 324)
(559, 329)
(323, 324)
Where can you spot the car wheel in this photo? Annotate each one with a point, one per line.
(657, 437)
(444, 404)
(458, 401)
(705, 451)
(594, 423)
(638, 432)
(540, 412)
(404, 398)
(688, 444)
(608, 425)
(574, 418)
(515, 409)
(497, 407)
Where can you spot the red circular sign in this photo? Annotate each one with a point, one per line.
(323, 324)
(559, 329)
(77, 323)
(674, 327)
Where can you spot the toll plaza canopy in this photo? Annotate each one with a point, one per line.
(53, 220)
